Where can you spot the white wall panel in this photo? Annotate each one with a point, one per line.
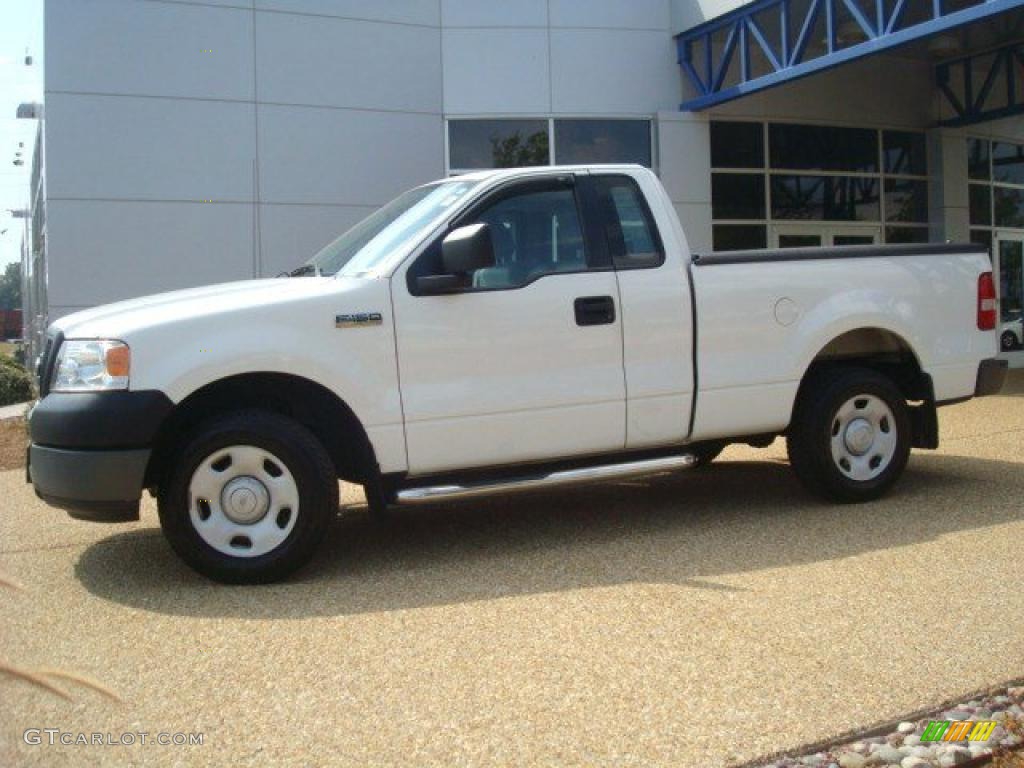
(186, 50)
(617, 14)
(291, 234)
(345, 63)
(607, 71)
(400, 11)
(684, 158)
(144, 148)
(310, 155)
(101, 251)
(474, 13)
(695, 219)
(496, 70)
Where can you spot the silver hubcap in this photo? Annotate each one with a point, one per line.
(243, 501)
(863, 437)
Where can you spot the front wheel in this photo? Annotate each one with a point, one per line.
(850, 436)
(249, 498)
(1008, 341)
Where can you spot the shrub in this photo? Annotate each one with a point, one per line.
(15, 385)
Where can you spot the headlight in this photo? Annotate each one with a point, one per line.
(91, 365)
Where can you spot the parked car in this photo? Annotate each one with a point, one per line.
(497, 332)
(1011, 332)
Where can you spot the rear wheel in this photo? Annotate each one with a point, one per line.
(1008, 341)
(850, 436)
(249, 498)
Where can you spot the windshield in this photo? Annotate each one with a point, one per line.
(370, 244)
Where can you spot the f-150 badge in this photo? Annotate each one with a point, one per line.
(358, 320)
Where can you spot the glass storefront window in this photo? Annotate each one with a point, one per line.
(818, 173)
(904, 153)
(1008, 206)
(474, 144)
(906, 200)
(980, 199)
(1007, 163)
(823, 148)
(982, 237)
(977, 159)
(739, 237)
(603, 141)
(906, 234)
(737, 145)
(737, 196)
(825, 198)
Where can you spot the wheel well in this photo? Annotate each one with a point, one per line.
(880, 350)
(311, 404)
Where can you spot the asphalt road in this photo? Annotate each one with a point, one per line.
(690, 620)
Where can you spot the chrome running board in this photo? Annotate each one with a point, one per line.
(429, 494)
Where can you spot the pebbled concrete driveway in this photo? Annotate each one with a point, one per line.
(690, 620)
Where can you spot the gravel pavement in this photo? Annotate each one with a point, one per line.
(698, 619)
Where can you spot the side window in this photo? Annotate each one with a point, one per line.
(535, 233)
(628, 225)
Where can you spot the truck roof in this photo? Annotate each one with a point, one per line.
(547, 169)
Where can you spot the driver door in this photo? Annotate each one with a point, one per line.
(526, 363)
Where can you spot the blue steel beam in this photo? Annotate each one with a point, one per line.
(970, 108)
(788, 61)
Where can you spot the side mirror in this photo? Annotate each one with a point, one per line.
(468, 249)
(463, 252)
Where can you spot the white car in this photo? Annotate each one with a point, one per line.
(498, 332)
(1011, 334)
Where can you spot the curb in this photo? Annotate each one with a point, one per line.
(884, 727)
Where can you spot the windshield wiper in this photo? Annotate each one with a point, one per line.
(304, 271)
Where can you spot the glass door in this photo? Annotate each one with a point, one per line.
(1009, 267)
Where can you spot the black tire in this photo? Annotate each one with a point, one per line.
(303, 456)
(1008, 341)
(809, 439)
(705, 453)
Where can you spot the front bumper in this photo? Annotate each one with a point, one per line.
(991, 375)
(91, 485)
(89, 451)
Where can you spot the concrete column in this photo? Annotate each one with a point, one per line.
(684, 165)
(947, 193)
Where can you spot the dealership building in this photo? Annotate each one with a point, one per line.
(187, 143)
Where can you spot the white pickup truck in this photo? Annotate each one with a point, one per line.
(494, 332)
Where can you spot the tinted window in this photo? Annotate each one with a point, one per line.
(904, 153)
(825, 148)
(1008, 205)
(906, 234)
(833, 198)
(629, 228)
(980, 196)
(906, 200)
(982, 237)
(977, 159)
(737, 196)
(737, 145)
(603, 141)
(497, 143)
(535, 233)
(738, 237)
(1008, 163)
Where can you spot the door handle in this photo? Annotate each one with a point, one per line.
(594, 310)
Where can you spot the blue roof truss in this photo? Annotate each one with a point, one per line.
(717, 56)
